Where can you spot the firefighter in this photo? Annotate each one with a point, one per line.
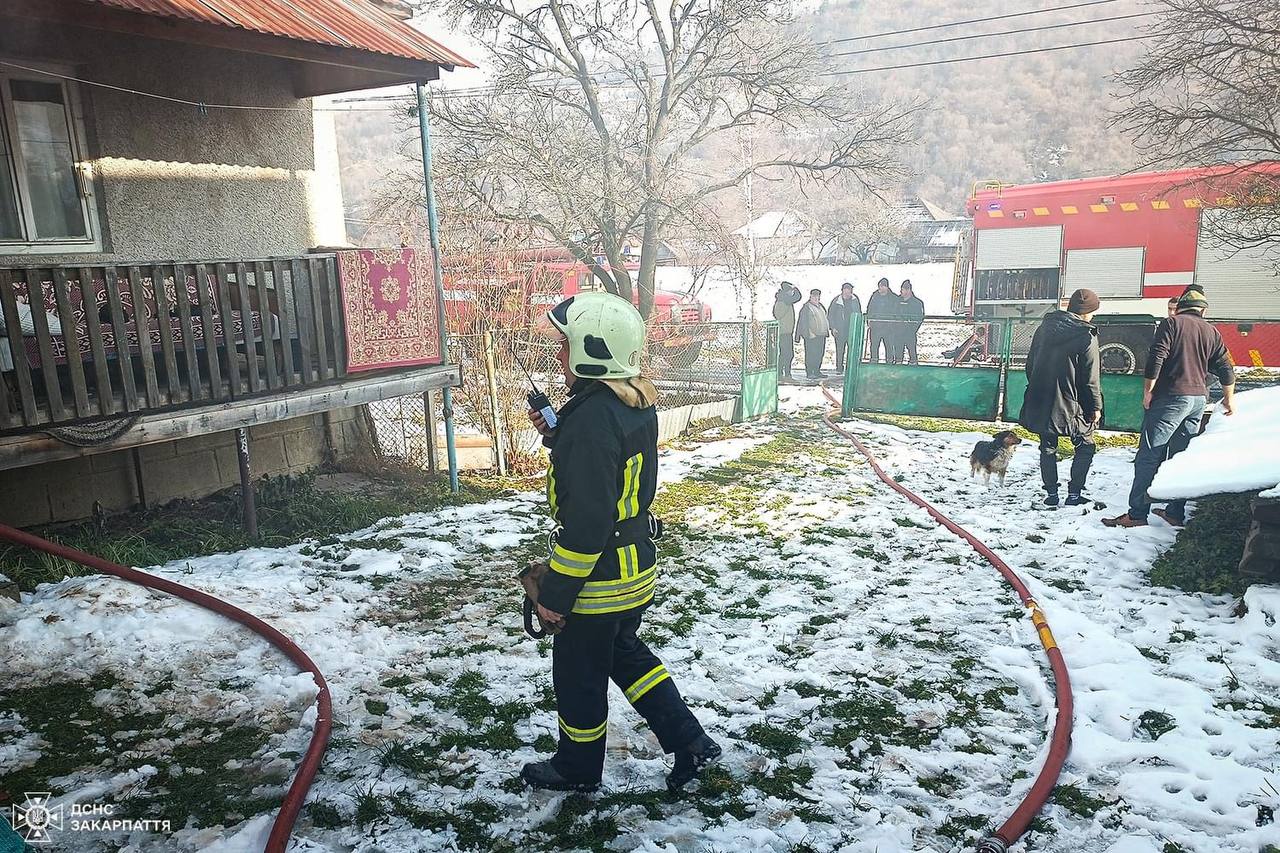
(601, 481)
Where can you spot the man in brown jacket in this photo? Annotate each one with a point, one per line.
(1184, 351)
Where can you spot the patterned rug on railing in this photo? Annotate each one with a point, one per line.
(389, 304)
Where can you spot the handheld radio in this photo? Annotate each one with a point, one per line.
(538, 401)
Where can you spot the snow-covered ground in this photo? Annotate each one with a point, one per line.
(875, 684)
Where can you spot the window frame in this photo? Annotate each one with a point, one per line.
(14, 170)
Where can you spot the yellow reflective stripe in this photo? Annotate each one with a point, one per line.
(607, 589)
(629, 502)
(551, 489)
(613, 604)
(646, 682)
(575, 564)
(628, 561)
(583, 735)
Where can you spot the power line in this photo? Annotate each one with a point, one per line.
(970, 21)
(985, 56)
(994, 35)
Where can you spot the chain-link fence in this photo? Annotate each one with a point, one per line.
(690, 363)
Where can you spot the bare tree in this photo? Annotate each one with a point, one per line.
(591, 129)
(1208, 93)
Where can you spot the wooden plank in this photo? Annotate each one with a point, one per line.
(35, 448)
(48, 365)
(124, 361)
(301, 287)
(206, 326)
(9, 414)
(93, 326)
(164, 323)
(264, 311)
(246, 328)
(145, 355)
(228, 332)
(324, 367)
(284, 304)
(190, 353)
(337, 338)
(13, 329)
(75, 361)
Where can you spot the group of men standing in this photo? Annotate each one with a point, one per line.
(893, 323)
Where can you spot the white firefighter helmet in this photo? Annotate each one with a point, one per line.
(605, 334)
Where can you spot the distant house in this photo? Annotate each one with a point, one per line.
(784, 236)
(164, 186)
(928, 232)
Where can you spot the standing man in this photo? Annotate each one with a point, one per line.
(1184, 351)
(784, 311)
(842, 309)
(813, 327)
(1064, 392)
(881, 310)
(600, 484)
(911, 309)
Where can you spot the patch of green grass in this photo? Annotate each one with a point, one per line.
(290, 509)
(1066, 584)
(325, 815)
(877, 720)
(775, 740)
(1152, 654)
(578, 826)
(958, 827)
(783, 781)
(376, 707)
(1078, 802)
(1207, 551)
(1182, 635)
(942, 784)
(1155, 724)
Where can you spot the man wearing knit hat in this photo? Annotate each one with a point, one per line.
(1184, 351)
(1064, 392)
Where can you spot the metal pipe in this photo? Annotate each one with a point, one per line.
(433, 230)
(290, 807)
(247, 504)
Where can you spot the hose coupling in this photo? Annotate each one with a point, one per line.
(992, 844)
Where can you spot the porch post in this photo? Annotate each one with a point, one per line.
(433, 228)
(247, 505)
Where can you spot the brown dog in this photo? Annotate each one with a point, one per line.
(993, 457)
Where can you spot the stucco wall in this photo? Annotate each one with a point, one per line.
(173, 183)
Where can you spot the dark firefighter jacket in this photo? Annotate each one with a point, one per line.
(601, 481)
(1063, 383)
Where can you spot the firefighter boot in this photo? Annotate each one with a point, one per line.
(690, 762)
(544, 776)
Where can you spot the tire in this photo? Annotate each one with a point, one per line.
(1117, 357)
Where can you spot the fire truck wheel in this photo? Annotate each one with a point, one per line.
(1117, 357)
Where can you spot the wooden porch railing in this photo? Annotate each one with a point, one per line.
(80, 343)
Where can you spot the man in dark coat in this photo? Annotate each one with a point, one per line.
(1064, 392)
(882, 310)
(842, 308)
(812, 327)
(784, 311)
(911, 311)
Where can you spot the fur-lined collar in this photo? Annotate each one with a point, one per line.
(638, 392)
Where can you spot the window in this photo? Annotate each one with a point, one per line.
(45, 202)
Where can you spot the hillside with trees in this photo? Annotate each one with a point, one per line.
(1044, 115)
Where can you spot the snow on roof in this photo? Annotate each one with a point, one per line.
(773, 223)
(938, 214)
(1239, 453)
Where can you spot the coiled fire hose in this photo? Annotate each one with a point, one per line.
(291, 805)
(1060, 743)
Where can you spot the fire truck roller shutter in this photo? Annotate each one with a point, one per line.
(1241, 284)
(1107, 272)
(1020, 248)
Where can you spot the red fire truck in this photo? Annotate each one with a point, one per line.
(1136, 240)
(513, 292)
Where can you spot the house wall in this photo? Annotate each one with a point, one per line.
(173, 183)
(189, 468)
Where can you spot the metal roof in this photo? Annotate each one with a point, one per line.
(352, 24)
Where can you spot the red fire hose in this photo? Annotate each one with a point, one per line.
(1060, 743)
(293, 799)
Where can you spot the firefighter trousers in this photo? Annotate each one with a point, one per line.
(589, 652)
